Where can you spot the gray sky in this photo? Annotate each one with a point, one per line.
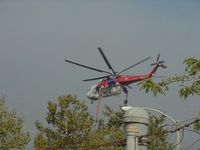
(36, 37)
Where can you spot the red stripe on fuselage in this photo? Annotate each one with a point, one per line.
(125, 80)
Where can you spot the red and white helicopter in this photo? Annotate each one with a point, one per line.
(114, 83)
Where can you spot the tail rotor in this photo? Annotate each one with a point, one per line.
(159, 62)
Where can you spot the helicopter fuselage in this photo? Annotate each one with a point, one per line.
(111, 87)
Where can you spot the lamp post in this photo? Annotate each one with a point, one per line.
(136, 120)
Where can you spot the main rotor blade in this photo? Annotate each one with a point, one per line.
(163, 66)
(106, 60)
(135, 65)
(162, 61)
(158, 57)
(95, 69)
(96, 78)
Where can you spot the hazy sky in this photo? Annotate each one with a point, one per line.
(36, 37)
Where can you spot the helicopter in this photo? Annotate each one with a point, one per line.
(114, 83)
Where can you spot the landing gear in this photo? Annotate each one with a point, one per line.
(125, 102)
(126, 93)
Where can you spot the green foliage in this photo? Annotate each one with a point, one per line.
(186, 91)
(155, 88)
(105, 139)
(114, 118)
(197, 126)
(70, 126)
(189, 82)
(157, 137)
(192, 66)
(11, 134)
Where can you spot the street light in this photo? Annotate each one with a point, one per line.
(134, 113)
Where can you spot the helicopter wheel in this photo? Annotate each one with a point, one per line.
(125, 102)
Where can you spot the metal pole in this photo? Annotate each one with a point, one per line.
(136, 121)
(132, 138)
(162, 113)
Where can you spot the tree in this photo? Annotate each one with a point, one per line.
(188, 83)
(157, 135)
(69, 126)
(12, 135)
